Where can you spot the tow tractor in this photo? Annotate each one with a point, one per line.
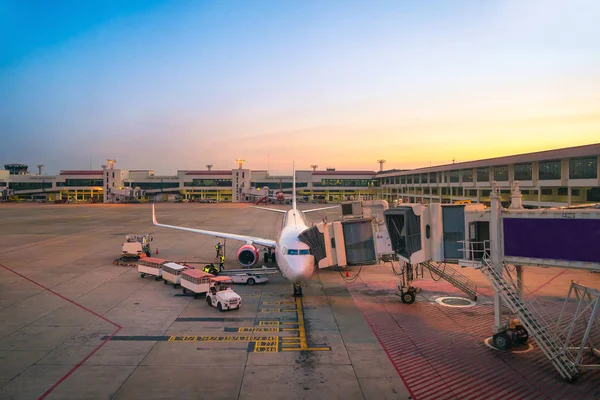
(221, 294)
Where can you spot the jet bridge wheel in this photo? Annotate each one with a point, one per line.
(502, 341)
(408, 297)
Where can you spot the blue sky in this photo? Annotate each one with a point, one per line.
(180, 84)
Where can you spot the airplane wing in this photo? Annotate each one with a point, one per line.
(270, 209)
(319, 209)
(241, 238)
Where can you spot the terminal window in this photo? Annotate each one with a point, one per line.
(467, 175)
(501, 173)
(523, 172)
(549, 170)
(583, 168)
(453, 176)
(483, 174)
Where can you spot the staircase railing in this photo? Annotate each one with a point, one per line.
(453, 277)
(532, 316)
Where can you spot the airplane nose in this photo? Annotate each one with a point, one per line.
(301, 268)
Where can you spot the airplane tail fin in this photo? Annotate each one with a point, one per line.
(294, 185)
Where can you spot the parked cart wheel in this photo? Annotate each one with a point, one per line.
(219, 307)
(208, 301)
(165, 282)
(184, 291)
(157, 278)
(142, 275)
(176, 285)
(251, 281)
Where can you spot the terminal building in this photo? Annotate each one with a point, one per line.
(114, 185)
(554, 178)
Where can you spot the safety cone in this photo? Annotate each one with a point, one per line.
(157, 250)
(347, 274)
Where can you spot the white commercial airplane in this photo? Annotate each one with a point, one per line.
(293, 256)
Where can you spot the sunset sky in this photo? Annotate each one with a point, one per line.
(169, 85)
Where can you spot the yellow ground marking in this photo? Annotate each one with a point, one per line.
(253, 329)
(301, 328)
(222, 338)
(275, 310)
(268, 323)
(267, 346)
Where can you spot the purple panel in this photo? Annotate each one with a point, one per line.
(554, 239)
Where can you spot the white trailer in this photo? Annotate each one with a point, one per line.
(151, 266)
(249, 279)
(195, 281)
(171, 272)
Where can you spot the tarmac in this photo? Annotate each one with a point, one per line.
(75, 326)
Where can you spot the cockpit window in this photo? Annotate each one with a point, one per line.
(298, 252)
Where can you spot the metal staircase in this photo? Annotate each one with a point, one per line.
(453, 277)
(538, 324)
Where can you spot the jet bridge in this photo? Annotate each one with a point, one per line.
(490, 239)
(360, 238)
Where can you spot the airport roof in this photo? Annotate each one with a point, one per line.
(372, 173)
(569, 152)
(216, 172)
(81, 172)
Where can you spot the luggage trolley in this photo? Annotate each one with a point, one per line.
(151, 266)
(195, 281)
(171, 272)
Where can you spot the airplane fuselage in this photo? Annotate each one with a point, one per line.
(293, 256)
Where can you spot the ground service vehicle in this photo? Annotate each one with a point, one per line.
(249, 279)
(136, 246)
(151, 266)
(195, 281)
(221, 294)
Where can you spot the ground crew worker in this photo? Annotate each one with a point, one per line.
(221, 262)
(218, 248)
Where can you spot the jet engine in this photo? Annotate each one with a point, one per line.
(247, 255)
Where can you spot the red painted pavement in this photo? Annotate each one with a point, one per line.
(439, 351)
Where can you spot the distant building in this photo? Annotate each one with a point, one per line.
(16, 169)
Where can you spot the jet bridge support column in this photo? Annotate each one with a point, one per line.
(519, 269)
(496, 209)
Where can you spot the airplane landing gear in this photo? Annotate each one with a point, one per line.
(297, 290)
